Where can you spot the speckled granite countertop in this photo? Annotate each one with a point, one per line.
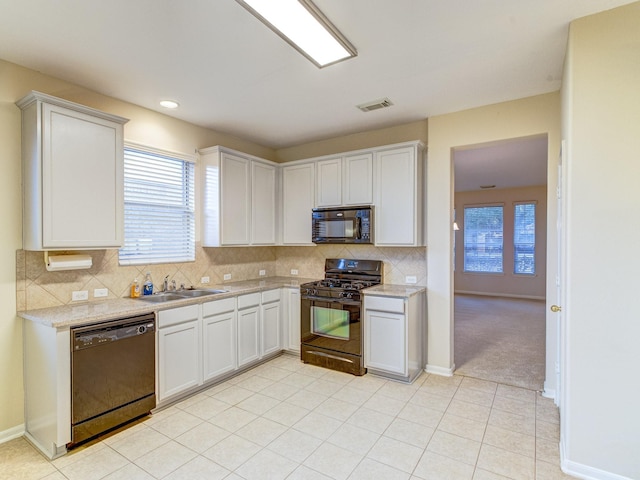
(389, 290)
(85, 313)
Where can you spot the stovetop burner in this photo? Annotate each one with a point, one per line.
(345, 275)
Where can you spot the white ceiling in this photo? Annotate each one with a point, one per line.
(232, 74)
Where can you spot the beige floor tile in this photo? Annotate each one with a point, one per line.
(255, 383)
(399, 391)
(258, 403)
(513, 405)
(305, 473)
(279, 391)
(232, 452)
(369, 469)
(340, 378)
(352, 394)
(333, 461)
(286, 414)
(232, 419)
(80, 453)
(368, 383)
(423, 416)
(508, 464)
(52, 476)
(370, 420)
(430, 400)
(200, 468)
(355, 439)
(548, 471)
(443, 389)
(314, 371)
(298, 380)
(267, 465)
(140, 443)
(472, 411)
(409, 432)
(477, 384)
(462, 427)
(165, 459)
(396, 454)
(21, 460)
(452, 446)
(548, 431)
(323, 387)
(233, 395)
(306, 399)
(471, 395)
(481, 474)
(338, 409)
(433, 466)
(509, 440)
(202, 437)
(295, 445)
(516, 392)
(513, 422)
(261, 431)
(98, 464)
(548, 451)
(383, 404)
(177, 424)
(319, 426)
(130, 472)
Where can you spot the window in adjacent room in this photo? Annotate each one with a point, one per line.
(483, 239)
(159, 213)
(524, 238)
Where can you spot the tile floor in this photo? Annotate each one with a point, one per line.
(287, 420)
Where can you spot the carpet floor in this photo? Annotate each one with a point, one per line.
(500, 339)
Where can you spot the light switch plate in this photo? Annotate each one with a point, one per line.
(410, 279)
(262, 273)
(227, 276)
(294, 271)
(79, 295)
(205, 280)
(100, 292)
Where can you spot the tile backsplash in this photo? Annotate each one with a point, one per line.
(38, 288)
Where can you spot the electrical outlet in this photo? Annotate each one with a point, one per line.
(294, 271)
(79, 295)
(262, 273)
(410, 279)
(205, 280)
(100, 292)
(227, 276)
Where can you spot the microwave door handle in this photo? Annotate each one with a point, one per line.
(358, 228)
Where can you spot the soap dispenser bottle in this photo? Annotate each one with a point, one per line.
(135, 289)
(147, 287)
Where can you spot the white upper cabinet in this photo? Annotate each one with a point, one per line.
(345, 180)
(399, 196)
(73, 164)
(297, 202)
(239, 199)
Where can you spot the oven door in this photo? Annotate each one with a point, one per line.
(331, 324)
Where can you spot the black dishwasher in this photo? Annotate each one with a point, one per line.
(112, 375)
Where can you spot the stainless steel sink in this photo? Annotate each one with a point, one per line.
(198, 292)
(161, 297)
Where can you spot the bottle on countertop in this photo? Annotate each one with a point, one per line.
(135, 289)
(147, 287)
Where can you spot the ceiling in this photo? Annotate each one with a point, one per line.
(232, 74)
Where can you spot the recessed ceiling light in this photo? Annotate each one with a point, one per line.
(169, 104)
(301, 24)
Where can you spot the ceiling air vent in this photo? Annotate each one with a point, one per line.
(376, 105)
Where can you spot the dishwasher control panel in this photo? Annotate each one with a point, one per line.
(95, 335)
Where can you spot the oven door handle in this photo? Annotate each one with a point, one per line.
(341, 301)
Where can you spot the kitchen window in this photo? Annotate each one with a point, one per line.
(524, 238)
(483, 239)
(159, 212)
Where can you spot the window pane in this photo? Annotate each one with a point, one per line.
(159, 213)
(483, 240)
(524, 239)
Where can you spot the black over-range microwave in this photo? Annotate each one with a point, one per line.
(342, 225)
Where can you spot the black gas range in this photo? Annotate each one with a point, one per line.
(330, 315)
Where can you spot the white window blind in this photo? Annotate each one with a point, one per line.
(483, 239)
(524, 238)
(159, 213)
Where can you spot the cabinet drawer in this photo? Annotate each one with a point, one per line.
(177, 315)
(271, 296)
(384, 304)
(218, 306)
(249, 300)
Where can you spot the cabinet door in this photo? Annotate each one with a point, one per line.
(270, 331)
(82, 180)
(263, 204)
(385, 342)
(297, 197)
(293, 319)
(248, 339)
(396, 216)
(179, 359)
(235, 199)
(219, 344)
(329, 183)
(358, 179)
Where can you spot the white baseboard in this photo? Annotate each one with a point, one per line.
(549, 393)
(12, 433)
(445, 372)
(508, 295)
(585, 472)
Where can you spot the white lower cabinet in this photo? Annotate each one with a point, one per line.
(219, 338)
(179, 351)
(291, 319)
(270, 322)
(248, 328)
(394, 338)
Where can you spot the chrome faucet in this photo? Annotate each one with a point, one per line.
(165, 284)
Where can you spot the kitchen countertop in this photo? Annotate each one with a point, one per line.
(86, 313)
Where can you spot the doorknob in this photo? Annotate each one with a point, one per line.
(556, 308)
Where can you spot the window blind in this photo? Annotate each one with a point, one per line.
(483, 239)
(524, 239)
(159, 213)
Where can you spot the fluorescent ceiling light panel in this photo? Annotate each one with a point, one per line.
(301, 24)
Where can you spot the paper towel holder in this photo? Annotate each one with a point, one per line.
(56, 263)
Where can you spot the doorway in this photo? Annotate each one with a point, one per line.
(500, 204)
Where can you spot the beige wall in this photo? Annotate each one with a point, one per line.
(506, 283)
(520, 118)
(601, 125)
